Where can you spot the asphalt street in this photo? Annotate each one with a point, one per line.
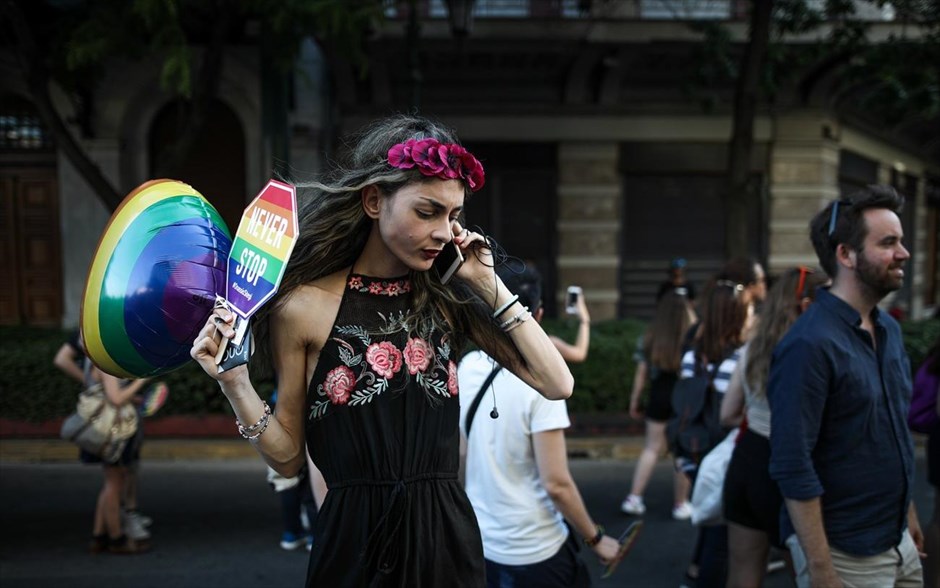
(216, 523)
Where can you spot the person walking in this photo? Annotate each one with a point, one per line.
(364, 337)
(839, 391)
(658, 358)
(751, 500)
(517, 475)
(715, 349)
(927, 383)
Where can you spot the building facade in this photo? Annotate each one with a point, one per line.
(605, 156)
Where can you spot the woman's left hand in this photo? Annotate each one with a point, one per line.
(478, 258)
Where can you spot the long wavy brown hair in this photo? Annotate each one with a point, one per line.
(723, 315)
(662, 342)
(334, 229)
(781, 309)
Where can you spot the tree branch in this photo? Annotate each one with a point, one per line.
(206, 89)
(37, 79)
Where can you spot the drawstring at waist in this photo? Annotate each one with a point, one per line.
(382, 550)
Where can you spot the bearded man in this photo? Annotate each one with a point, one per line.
(839, 391)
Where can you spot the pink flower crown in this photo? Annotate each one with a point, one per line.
(433, 158)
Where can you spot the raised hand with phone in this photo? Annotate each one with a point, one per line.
(575, 306)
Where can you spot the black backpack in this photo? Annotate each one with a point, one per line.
(695, 426)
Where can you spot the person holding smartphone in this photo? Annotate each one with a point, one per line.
(364, 339)
(575, 305)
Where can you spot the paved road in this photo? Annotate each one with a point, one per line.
(217, 524)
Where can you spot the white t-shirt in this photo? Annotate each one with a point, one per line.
(518, 521)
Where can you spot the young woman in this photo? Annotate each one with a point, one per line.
(364, 337)
(108, 532)
(715, 349)
(751, 499)
(658, 358)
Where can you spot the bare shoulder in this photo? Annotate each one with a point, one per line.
(307, 315)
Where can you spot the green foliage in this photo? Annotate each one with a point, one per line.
(80, 37)
(919, 338)
(604, 380)
(32, 389)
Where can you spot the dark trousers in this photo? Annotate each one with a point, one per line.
(563, 569)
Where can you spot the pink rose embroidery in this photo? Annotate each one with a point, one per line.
(375, 288)
(452, 378)
(355, 282)
(384, 359)
(417, 355)
(393, 289)
(338, 384)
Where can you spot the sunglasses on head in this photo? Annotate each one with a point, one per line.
(801, 292)
(834, 213)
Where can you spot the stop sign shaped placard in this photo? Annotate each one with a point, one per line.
(262, 247)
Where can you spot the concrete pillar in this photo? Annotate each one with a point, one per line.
(804, 177)
(589, 193)
(82, 218)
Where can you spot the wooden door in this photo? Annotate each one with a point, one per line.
(31, 294)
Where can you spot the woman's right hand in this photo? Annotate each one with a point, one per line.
(219, 325)
(635, 411)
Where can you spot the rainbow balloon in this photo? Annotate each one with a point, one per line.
(153, 280)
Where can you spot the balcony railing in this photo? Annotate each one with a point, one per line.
(615, 9)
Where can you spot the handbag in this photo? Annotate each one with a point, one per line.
(707, 506)
(98, 426)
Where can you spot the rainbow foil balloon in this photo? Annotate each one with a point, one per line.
(153, 280)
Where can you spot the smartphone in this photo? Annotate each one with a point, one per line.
(571, 299)
(448, 260)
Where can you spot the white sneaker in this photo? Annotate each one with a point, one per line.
(133, 527)
(683, 512)
(141, 518)
(633, 505)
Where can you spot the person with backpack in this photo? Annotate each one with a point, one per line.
(695, 428)
(516, 471)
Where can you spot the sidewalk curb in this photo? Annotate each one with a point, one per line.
(59, 451)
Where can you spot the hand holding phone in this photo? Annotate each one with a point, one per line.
(571, 299)
(448, 261)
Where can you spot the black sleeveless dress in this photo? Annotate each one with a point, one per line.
(382, 413)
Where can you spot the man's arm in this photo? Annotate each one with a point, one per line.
(806, 516)
(65, 360)
(913, 527)
(552, 460)
(797, 390)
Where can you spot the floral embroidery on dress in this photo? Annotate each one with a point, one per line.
(380, 287)
(370, 367)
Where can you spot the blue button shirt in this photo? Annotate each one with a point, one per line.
(838, 424)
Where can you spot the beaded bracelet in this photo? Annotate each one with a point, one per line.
(515, 321)
(596, 538)
(521, 320)
(253, 431)
(505, 307)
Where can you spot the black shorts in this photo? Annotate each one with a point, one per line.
(750, 497)
(933, 459)
(564, 569)
(129, 457)
(659, 403)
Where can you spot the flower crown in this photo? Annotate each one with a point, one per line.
(433, 158)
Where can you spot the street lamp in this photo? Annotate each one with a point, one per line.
(460, 14)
